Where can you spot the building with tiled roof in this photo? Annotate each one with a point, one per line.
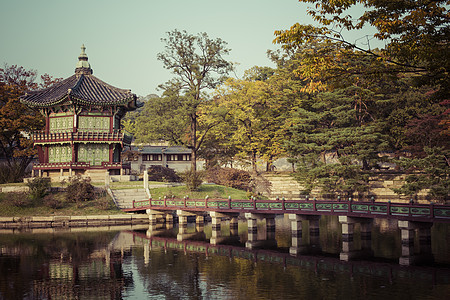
(82, 133)
(177, 158)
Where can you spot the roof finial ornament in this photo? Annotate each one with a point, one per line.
(83, 67)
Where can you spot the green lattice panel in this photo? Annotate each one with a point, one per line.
(236, 204)
(243, 254)
(59, 153)
(292, 261)
(269, 258)
(306, 206)
(141, 203)
(382, 209)
(95, 154)
(213, 204)
(288, 205)
(262, 205)
(94, 123)
(420, 211)
(247, 205)
(360, 207)
(157, 202)
(158, 244)
(223, 251)
(195, 248)
(190, 203)
(200, 203)
(171, 203)
(213, 250)
(175, 246)
(276, 205)
(323, 206)
(399, 210)
(442, 212)
(61, 124)
(222, 204)
(340, 206)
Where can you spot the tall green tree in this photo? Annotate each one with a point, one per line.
(198, 63)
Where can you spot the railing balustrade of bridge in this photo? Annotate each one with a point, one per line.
(373, 209)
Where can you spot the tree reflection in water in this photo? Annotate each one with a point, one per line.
(141, 264)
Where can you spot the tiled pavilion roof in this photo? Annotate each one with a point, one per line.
(81, 88)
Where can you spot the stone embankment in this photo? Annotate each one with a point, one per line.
(382, 185)
(72, 221)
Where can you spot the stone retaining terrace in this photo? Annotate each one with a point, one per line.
(72, 221)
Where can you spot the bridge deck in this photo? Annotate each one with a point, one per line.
(411, 212)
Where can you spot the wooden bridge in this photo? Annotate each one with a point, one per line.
(401, 211)
(411, 218)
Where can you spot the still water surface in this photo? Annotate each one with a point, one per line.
(138, 263)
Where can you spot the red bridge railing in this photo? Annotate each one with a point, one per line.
(417, 212)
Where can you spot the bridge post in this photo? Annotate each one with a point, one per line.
(253, 241)
(297, 243)
(199, 220)
(169, 219)
(366, 236)
(234, 226)
(425, 242)
(348, 226)
(407, 229)
(154, 216)
(252, 231)
(147, 245)
(296, 224)
(270, 227)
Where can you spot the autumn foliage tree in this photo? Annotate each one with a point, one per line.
(17, 121)
(254, 120)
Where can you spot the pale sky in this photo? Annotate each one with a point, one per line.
(122, 38)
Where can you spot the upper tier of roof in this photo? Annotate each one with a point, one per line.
(82, 88)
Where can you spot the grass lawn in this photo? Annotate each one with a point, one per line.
(103, 206)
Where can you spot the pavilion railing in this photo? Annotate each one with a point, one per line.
(81, 136)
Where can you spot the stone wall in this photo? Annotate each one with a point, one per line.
(284, 185)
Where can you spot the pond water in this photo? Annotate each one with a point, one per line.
(160, 263)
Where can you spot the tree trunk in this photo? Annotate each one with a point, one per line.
(254, 162)
(194, 143)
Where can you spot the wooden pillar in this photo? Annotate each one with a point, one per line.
(111, 153)
(46, 159)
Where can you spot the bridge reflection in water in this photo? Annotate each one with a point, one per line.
(304, 254)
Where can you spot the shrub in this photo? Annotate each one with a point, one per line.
(104, 203)
(53, 201)
(79, 190)
(13, 172)
(18, 199)
(38, 187)
(160, 173)
(234, 178)
(192, 179)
